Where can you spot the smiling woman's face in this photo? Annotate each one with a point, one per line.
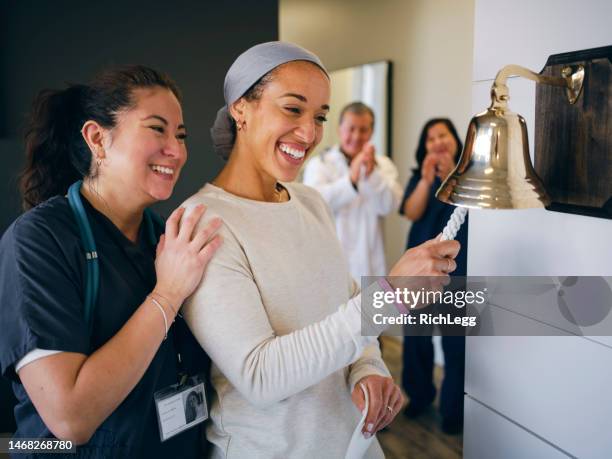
(440, 140)
(147, 150)
(285, 124)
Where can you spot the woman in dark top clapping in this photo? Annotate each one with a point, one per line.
(438, 151)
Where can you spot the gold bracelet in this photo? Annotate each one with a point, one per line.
(167, 301)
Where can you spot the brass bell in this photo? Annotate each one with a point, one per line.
(494, 170)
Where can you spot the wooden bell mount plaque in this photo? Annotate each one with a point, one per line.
(573, 143)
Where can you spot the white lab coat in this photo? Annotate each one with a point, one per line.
(358, 213)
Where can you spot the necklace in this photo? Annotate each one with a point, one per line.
(279, 192)
(101, 205)
(94, 193)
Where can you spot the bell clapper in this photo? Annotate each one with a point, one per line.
(454, 223)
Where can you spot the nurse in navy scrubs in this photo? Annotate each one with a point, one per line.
(437, 153)
(93, 381)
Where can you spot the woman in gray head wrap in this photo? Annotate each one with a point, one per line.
(252, 67)
(277, 311)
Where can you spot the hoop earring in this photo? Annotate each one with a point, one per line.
(99, 161)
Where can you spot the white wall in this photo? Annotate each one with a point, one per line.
(549, 394)
(366, 83)
(430, 45)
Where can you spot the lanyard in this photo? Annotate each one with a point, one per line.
(180, 366)
(92, 279)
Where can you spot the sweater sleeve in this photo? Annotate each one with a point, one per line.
(338, 192)
(370, 362)
(227, 316)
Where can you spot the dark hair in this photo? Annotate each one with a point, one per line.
(358, 108)
(253, 93)
(56, 152)
(197, 395)
(422, 151)
(256, 89)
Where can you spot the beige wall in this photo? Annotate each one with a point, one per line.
(430, 45)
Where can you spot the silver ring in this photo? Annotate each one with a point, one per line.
(390, 409)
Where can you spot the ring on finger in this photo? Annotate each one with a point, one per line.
(389, 408)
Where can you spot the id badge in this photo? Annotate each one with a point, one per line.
(180, 407)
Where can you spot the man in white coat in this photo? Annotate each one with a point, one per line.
(360, 188)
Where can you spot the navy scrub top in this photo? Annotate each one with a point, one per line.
(433, 221)
(42, 270)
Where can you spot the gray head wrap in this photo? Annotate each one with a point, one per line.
(246, 70)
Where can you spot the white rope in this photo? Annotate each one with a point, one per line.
(454, 223)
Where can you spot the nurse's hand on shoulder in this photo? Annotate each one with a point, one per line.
(385, 400)
(184, 252)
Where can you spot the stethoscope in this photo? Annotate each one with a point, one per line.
(92, 279)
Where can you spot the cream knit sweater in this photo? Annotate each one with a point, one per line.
(279, 316)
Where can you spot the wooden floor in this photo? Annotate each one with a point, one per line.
(420, 438)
